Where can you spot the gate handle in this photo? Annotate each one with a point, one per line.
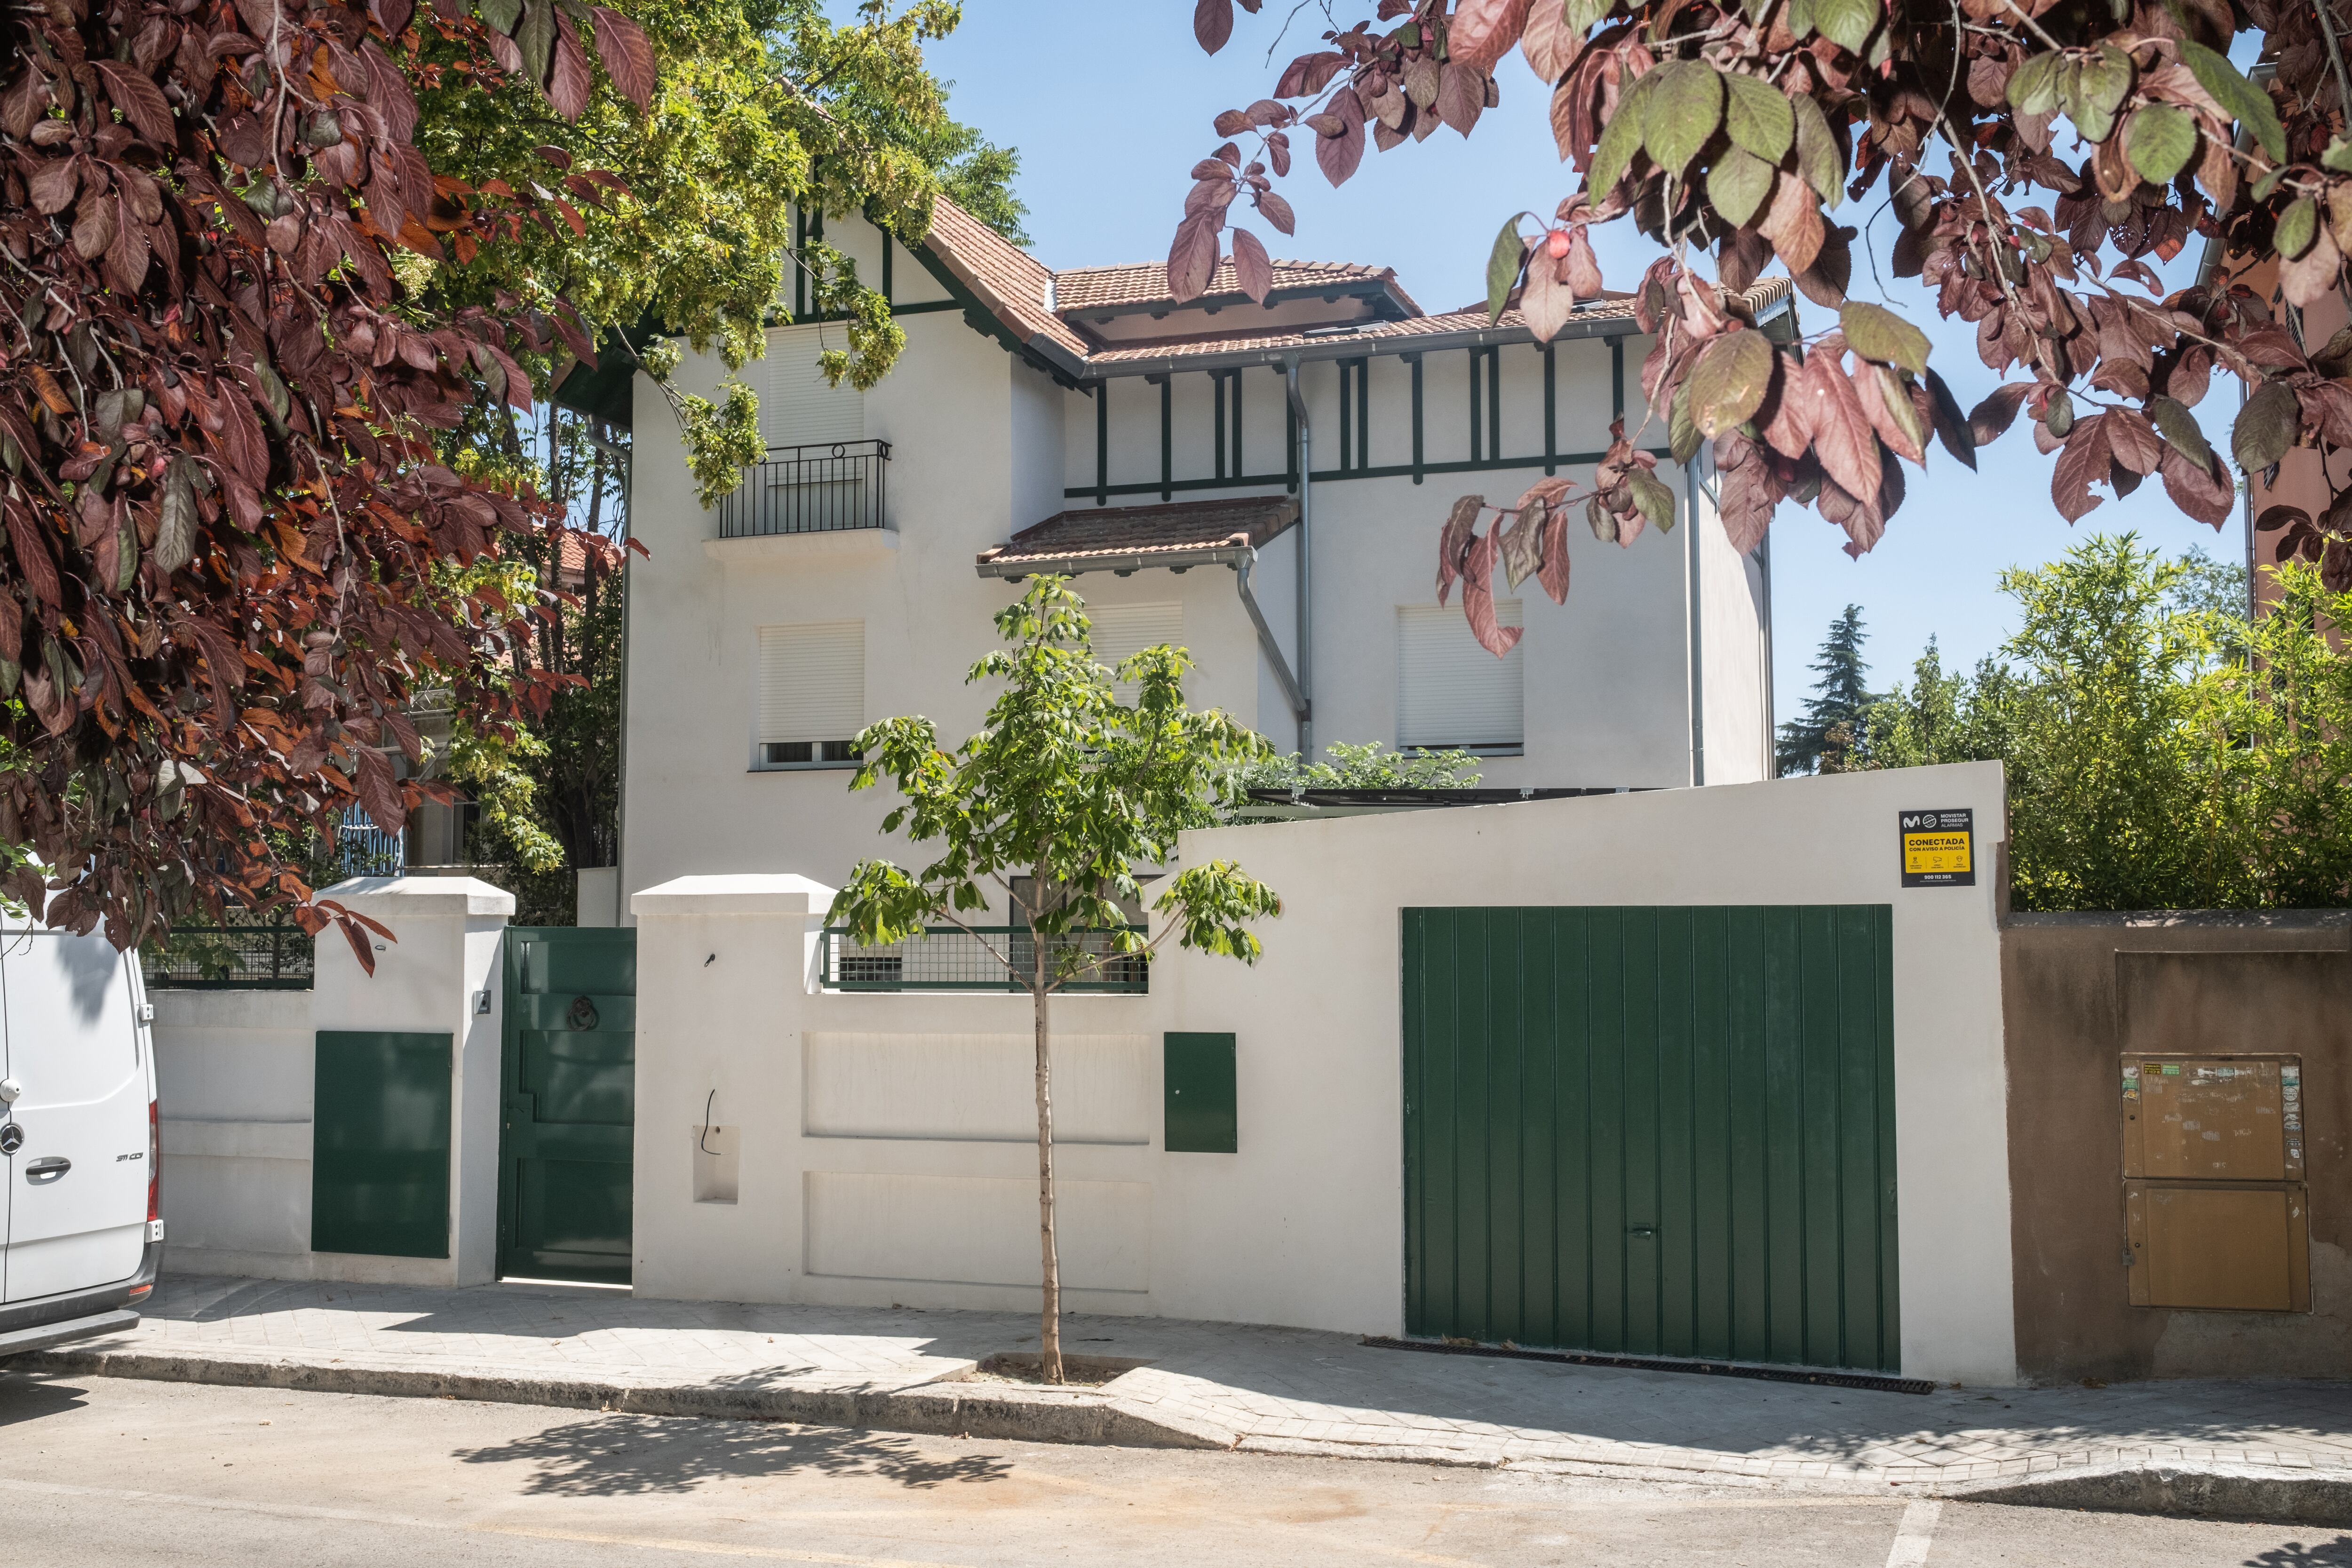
(48, 1169)
(1641, 1230)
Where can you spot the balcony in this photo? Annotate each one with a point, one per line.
(949, 958)
(831, 487)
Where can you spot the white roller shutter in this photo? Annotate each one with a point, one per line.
(1123, 630)
(1451, 691)
(796, 408)
(811, 682)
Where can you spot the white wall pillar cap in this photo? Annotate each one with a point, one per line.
(426, 897)
(740, 893)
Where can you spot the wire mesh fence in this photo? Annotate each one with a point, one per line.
(262, 955)
(951, 958)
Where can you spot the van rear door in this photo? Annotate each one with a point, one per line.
(76, 1205)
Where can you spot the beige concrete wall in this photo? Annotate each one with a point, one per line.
(853, 1191)
(2082, 990)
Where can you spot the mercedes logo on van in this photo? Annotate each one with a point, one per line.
(12, 1138)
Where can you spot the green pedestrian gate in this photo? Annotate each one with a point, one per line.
(1652, 1131)
(569, 1093)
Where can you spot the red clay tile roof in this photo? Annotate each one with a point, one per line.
(1030, 299)
(1766, 294)
(1010, 281)
(1080, 289)
(1121, 538)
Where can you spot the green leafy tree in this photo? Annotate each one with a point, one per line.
(2274, 721)
(1070, 787)
(1828, 736)
(2163, 751)
(1940, 717)
(761, 108)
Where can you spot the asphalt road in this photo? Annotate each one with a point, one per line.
(123, 1474)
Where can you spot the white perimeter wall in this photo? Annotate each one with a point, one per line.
(235, 1088)
(881, 1152)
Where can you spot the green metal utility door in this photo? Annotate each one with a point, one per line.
(569, 1091)
(1653, 1131)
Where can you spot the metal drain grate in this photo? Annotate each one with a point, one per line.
(1874, 1383)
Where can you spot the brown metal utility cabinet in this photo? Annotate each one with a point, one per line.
(2214, 1200)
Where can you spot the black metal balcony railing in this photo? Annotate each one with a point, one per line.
(829, 488)
(274, 955)
(949, 958)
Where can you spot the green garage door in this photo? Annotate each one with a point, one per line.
(567, 1145)
(1652, 1131)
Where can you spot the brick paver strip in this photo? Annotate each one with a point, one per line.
(1279, 1390)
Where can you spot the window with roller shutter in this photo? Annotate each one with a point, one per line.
(1120, 630)
(812, 694)
(796, 408)
(1451, 692)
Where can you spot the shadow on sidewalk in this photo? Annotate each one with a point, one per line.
(2336, 1553)
(628, 1455)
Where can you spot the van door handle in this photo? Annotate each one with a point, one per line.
(48, 1169)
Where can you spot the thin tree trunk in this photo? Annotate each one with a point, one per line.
(1050, 1327)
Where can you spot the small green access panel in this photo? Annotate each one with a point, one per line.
(380, 1144)
(1200, 1115)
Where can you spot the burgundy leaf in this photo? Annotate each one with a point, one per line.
(2196, 488)
(2082, 462)
(1193, 258)
(1483, 30)
(141, 101)
(1454, 542)
(1308, 74)
(1553, 577)
(1212, 23)
(1998, 411)
(1337, 154)
(628, 58)
(567, 85)
(1277, 212)
(1833, 414)
(1252, 267)
(1479, 598)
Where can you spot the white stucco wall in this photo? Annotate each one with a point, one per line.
(233, 1093)
(854, 1190)
(235, 1088)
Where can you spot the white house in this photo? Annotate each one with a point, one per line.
(1263, 484)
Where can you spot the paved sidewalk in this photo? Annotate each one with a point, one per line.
(1206, 1384)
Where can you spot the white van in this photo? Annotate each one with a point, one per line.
(78, 1138)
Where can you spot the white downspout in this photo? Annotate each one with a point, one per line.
(1697, 639)
(1306, 561)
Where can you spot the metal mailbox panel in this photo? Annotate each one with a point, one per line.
(2217, 1118)
(2221, 1246)
(1201, 1115)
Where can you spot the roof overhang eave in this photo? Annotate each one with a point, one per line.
(1357, 346)
(1140, 560)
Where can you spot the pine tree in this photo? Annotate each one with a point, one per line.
(1829, 736)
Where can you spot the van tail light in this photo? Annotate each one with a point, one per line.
(154, 1189)
(154, 1167)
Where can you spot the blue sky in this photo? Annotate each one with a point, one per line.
(1110, 103)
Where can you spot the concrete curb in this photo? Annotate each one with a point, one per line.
(1006, 1412)
(2255, 1494)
